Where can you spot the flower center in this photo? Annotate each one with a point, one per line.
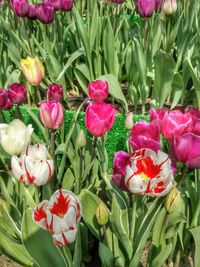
(144, 177)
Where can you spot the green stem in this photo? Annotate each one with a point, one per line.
(133, 218)
(37, 198)
(52, 139)
(78, 179)
(181, 177)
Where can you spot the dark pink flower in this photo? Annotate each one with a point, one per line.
(146, 8)
(121, 161)
(175, 123)
(157, 115)
(145, 135)
(55, 92)
(20, 7)
(99, 118)
(32, 13)
(45, 12)
(3, 98)
(98, 90)
(195, 113)
(51, 114)
(56, 4)
(17, 93)
(66, 5)
(186, 149)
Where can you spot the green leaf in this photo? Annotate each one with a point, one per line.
(78, 250)
(196, 80)
(177, 89)
(39, 243)
(161, 257)
(196, 235)
(106, 256)
(68, 179)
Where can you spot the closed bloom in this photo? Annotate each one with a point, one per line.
(3, 97)
(32, 12)
(56, 4)
(20, 7)
(66, 5)
(175, 123)
(150, 173)
(81, 139)
(45, 12)
(17, 93)
(55, 92)
(146, 8)
(60, 215)
(121, 161)
(169, 7)
(51, 114)
(129, 121)
(99, 118)
(33, 166)
(172, 200)
(145, 135)
(33, 70)
(14, 137)
(186, 149)
(98, 90)
(102, 214)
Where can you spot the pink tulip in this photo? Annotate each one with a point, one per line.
(55, 92)
(51, 114)
(121, 161)
(157, 115)
(99, 118)
(17, 93)
(66, 5)
(186, 149)
(20, 7)
(60, 215)
(56, 4)
(145, 135)
(146, 8)
(3, 98)
(195, 113)
(32, 13)
(45, 12)
(98, 90)
(175, 123)
(150, 173)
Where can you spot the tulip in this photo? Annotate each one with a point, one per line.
(121, 161)
(60, 215)
(17, 93)
(33, 70)
(55, 92)
(175, 123)
(146, 8)
(33, 166)
(51, 114)
(102, 214)
(81, 139)
(14, 137)
(150, 173)
(158, 4)
(172, 200)
(32, 13)
(98, 90)
(145, 135)
(8, 105)
(56, 4)
(99, 118)
(185, 149)
(45, 12)
(129, 121)
(3, 98)
(195, 113)
(169, 7)
(118, 1)
(157, 115)
(66, 5)
(20, 7)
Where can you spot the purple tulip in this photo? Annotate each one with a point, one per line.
(45, 12)
(145, 135)
(121, 161)
(20, 7)
(32, 13)
(56, 4)
(55, 92)
(17, 93)
(66, 5)
(146, 8)
(3, 98)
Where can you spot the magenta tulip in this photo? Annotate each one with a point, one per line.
(56, 4)
(45, 12)
(51, 114)
(186, 149)
(17, 93)
(66, 5)
(3, 98)
(99, 118)
(32, 13)
(98, 90)
(157, 115)
(20, 7)
(195, 113)
(145, 135)
(175, 123)
(121, 161)
(146, 8)
(55, 92)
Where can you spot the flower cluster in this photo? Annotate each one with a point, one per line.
(44, 11)
(60, 215)
(100, 116)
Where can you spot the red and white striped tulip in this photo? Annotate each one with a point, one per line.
(60, 215)
(33, 166)
(150, 173)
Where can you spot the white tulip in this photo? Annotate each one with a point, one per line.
(33, 166)
(14, 137)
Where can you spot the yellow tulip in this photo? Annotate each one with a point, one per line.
(33, 70)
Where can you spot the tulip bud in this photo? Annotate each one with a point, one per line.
(55, 92)
(51, 114)
(102, 214)
(98, 90)
(32, 13)
(81, 139)
(172, 200)
(146, 8)
(20, 7)
(129, 121)
(45, 12)
(169, 7)
(17, 93)
(66, 5)
(33, 70)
